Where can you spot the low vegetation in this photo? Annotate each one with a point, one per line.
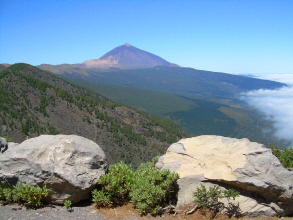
(23, 193)
(147, 188)
(67, 204)
(285, 156)
(153, 189)
(115, 185)
(209, 199)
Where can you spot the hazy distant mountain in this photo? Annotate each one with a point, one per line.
(176, 80)
(247, 75)
(127, 57)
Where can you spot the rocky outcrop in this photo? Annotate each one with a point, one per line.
(3, 145)
(69, 165)
(264, 184)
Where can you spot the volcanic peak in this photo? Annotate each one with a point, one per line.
(127, 57)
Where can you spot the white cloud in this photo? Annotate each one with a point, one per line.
(283, 78)
(277, 106)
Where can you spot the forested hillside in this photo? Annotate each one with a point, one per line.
(197, 116)
(35, 102)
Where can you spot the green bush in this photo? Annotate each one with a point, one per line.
(147, 188)
(209, 198)
(286, 158)
(101, 198)
(152, 189)
(6, 194)
(115, 185)
(23, 193)
(67, 204)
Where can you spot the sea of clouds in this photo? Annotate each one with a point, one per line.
(275, 105)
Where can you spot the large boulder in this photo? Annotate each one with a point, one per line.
(69, 165)
(264, 184)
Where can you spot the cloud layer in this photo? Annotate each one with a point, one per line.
(277, 106)
(283, 78)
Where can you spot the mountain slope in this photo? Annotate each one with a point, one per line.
(197, 116)
(3, 67)
(201, 102)
(131, 67)
(127, 57)
(154, 102)
(34, 102)
(180, 81)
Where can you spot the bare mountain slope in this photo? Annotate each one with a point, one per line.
(127, 57)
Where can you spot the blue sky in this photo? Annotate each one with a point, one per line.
(229, 36)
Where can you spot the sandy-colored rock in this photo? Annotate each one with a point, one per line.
(69, 165)
(265, 185)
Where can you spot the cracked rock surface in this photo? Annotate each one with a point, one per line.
(69, 165)
(264, 184)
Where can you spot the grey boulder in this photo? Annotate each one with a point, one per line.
(68, 165)
(3, 145)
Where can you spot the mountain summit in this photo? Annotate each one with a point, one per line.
(127, 57)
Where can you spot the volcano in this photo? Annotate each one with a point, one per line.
(128, 57)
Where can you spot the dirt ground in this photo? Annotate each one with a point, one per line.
(128, 212)
(89, 212)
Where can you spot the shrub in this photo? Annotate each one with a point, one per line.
(209, 198)
(23, 193)
(115, 185)
(101, 198)
(67, 204)
(147, 188)
(285, 156)
(6, 194)
(152, 188)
